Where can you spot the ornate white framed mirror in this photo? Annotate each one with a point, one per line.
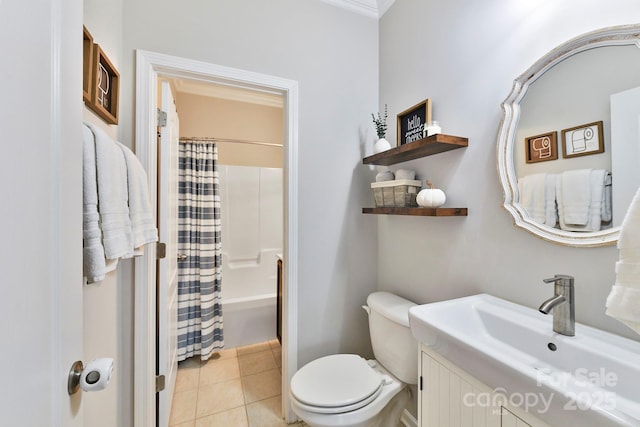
(575, 113)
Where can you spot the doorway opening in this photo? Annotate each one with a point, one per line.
(149, 68)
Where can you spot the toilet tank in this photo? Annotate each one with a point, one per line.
(393, 345)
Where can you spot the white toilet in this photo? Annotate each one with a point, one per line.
(347, 390)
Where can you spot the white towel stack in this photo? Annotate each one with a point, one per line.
(117, 211)
(93, 252)
(582, 199)
(142, 223)
(538, 197)
(623, 302)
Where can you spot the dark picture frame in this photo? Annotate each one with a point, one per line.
(541, 148)
(87, 65)
(411, 122)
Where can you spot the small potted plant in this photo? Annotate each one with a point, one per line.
(381, 129)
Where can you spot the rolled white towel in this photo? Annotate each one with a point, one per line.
(385, 176)
(405, 174)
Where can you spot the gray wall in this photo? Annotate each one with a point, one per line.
(464, 55)
(333, 54)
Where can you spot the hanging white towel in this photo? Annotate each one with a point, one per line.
(93, 262)
(595, 206)
(538, 197)
(532, 195)
(111, 172)
(140, 213)
(623, 303)
(576, 196)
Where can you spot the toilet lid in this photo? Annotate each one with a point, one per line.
(336, 381)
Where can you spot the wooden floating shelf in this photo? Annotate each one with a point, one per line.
(428, 146)
(417, 211)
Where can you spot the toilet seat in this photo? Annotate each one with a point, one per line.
(335, 384)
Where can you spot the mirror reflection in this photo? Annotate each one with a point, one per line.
(569, 142)
(578, 128)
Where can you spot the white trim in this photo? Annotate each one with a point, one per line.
(371, 8)
(384, 6)
(149, 66)
(408, 420)
(229, 93)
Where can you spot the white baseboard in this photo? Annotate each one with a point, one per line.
(408, 420)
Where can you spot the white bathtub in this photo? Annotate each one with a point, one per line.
(252, 229)
(249, 320)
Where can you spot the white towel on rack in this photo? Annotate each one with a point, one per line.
(576, 196)
(596, 202)
(623, 302)
(538, 197)
(111, 172)
(93, 262)
(140, 213)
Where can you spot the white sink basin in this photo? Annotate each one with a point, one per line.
(592, 379)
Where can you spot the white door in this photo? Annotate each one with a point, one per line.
(167, 268)
(41, 211)
(625, 154)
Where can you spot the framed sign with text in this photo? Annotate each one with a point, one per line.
(411, 122)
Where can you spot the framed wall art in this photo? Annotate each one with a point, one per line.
(100, 81)
(583, 140)
(411, 122)
(87, 65)
(541, 148)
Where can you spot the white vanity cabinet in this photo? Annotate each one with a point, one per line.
(449, 397)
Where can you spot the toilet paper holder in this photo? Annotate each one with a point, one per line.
(93, 377)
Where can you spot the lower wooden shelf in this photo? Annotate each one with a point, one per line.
(417, 211)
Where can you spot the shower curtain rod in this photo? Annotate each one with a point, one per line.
(203, 139)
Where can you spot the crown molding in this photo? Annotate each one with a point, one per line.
(371, 8)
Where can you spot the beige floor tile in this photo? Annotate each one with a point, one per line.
(183, 408)
(187, 424)
(266, 413)
(219, 397)
(236, 417)
(187, 377)
(277, 355)
(253, 348)
(274, 343)
(224, 354)
(192, 362)
(218, 371)
(261, 386)
(254, 363)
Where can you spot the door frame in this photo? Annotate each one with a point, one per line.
(150, 66)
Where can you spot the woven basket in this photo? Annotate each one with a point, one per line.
(399, 193)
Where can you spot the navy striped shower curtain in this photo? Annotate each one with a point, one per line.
(200, 275)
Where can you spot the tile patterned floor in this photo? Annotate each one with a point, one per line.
(238, 388)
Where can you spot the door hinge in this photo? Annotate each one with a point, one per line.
(161, 250)
(160, 383)
(162, 118)
(420, 382)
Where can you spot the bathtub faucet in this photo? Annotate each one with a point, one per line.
(562, 304)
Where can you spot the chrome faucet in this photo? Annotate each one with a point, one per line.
(562, 304)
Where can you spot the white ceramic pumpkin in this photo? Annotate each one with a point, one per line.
(430, 197)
